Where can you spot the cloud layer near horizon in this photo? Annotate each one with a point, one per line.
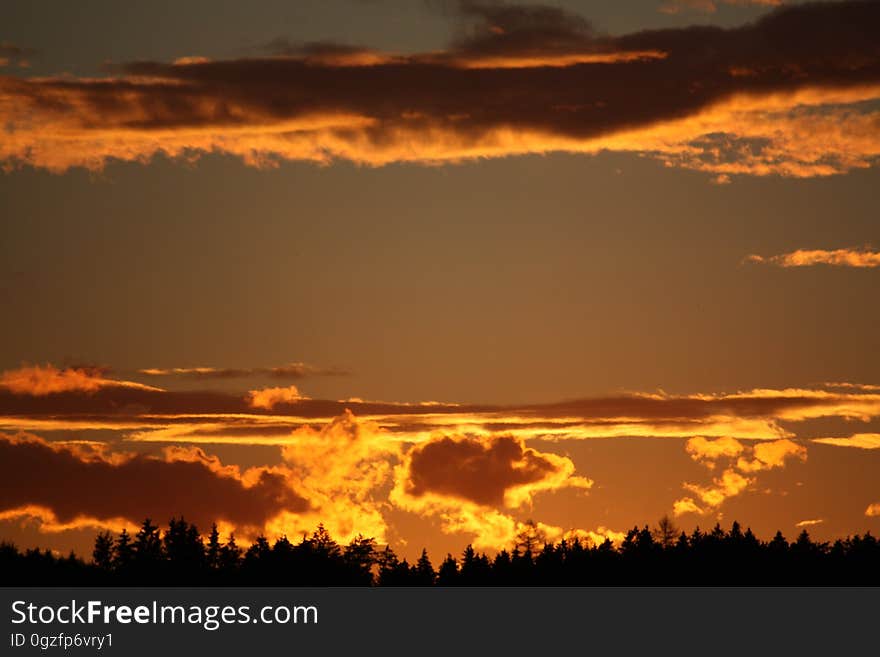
(794, 94)
(349, 463)
(858, 258)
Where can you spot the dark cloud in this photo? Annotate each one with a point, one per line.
(74, 485)
(493, 28)
(11, 54)
(479, 471)
(374, 108)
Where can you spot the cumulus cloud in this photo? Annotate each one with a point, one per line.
(470, 482)
(72, 484)
(40, 380)
(500, 471)
(344, 468)
(708, 451)
(859, 258)
(268, 398)
(741, 464)
(773, 454)
(790, 94)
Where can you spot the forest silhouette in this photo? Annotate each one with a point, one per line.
(180, 556)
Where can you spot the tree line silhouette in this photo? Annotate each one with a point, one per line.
(180, 556)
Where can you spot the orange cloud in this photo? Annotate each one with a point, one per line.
(291, 371)
(466, 482)
(859, 440)
(873, 510)
(736, 477)
(498, 471)
(68, 486)
(344, 469)
(754, 100)
(772, 454)
(860, 258)
(268, 398)
(729, 484)
(202, 417)
(709, 451)
(810, 523)
(43, 380)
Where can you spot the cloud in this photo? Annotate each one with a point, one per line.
(685, 505)
(468, 482)
(711, 6)
(859, 440)
(742, 463)
(790, 94)
(41, 380)
(344, 469)
(873, 510)
(729, 484)
(500, 471)
(68, 485)
(268, 398)
(291, 371)
(502, 36)
(852, 386)
(810, 523)
(860, 258)
(701, 449)
(769, 455)
(267, 416)
(12, 55)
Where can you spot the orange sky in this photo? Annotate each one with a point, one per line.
(428, 273)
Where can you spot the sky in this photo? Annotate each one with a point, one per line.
(428, 271)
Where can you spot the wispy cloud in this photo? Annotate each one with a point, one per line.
(808, 257)
(41, 380)
(858, 440)
(810, 523)
(291, 371)
(711, 6)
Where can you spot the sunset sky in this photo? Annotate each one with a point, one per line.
(428, 270)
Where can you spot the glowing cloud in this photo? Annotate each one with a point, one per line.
(86, 485)
(751, 100)
(344, 469)
(291, 371)
(859, 258)
(859, 440)
(463, 482)
(809, 523)
(771, 455)
(736, 476)
(268, 398)
(701, 449)
(43, 380)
